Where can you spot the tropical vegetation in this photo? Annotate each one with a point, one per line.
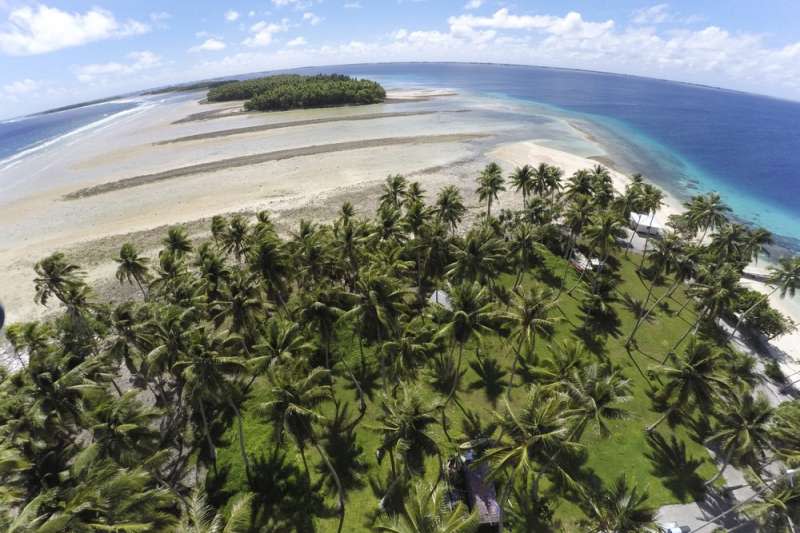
(320, 379)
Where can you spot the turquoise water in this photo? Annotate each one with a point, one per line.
(687, 138)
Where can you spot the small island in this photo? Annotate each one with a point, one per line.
(285, 92)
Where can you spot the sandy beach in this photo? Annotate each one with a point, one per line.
(184, 162)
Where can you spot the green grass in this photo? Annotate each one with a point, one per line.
(625, 451)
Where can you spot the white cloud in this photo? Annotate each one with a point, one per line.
(311, 18)
(262, 32)
(42, 29)
(571, 25)
(138, 61)
(160, 16)
(209, 45)
(473, 4)
(651, 15)
(352, 5)
(251, 14)
(231, 15)
(21, 87)
(297, 4)
(297, 41)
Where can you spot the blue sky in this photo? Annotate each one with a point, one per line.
(56, 52)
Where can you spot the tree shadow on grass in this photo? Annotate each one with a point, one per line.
(491, 378)
(345, 453)
(282, 490)
(368, 378)
(676, 470)
(572, 466)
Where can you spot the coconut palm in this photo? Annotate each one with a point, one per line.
(522, 181)
(531, 433)
(567, 356)
(204, 369)
(450, 206)
(321, 312)
(236, 237)
(269, 260)
(490, 184)
(742, 431)
(54, 275)
(423, 512)
(405, 428)
(542, 180)
(603, 233)
(785, 277)
(530, 316)
(296, 396)
(777, 508)
(707, 212)
(728, 245)
(467, 319)
(621, 508)
(132, 267)
(579, 184)
(596, 392)
(479, 257)
(651, 200)
(394, 191)
(177, 242)
(690, 381)
(198, 517)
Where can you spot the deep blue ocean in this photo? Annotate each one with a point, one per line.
(687, 138)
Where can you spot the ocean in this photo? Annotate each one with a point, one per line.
(688, 139)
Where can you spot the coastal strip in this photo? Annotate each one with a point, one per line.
(297, 123)
(256, 159)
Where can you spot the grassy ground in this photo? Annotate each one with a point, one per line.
(661, 470)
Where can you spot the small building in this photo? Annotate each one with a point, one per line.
(646, 225)
(481, 493)
(580, 262)
(440, 297)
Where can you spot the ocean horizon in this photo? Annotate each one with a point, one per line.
(687, 138)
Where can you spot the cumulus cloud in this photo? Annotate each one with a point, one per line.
(651, 15)
(311, 18)
(262, 33)
(473, 4)
(137, 62)
(297, 41)
(21, 87)
(209, 45)
(710, 55)
(231, 15)
(297, 4)
(352, 5)
(42, 29)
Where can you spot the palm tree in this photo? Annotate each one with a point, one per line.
(450, 206)
(651, 201)
(522, 181)
(530, 316)
(742, 429)
(218, 227)
(707, 212)
(619, 509)
(404, 426)
(785, 278)
(132, 267)
(322, 313)
(728, 245)
(54, 276)
(490, 184)
(297, 394)
(691, 380)
(467, 319)
(177, 242)
(235, 238)
(531, 434)
(596, 392)
(269, 260)
(541, 179)
(423, 513)
(579, 184)
(479, 257)
(777, 508)
(577, 217)
(394, 191)
(604, 232)
(198, 517)
(203, 370)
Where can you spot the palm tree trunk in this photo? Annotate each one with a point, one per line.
(694, 328)
(139, 283)
(645, 314)
(211, 447)
(570, 246)
(725, 462)
(513, 370)
(336, 480)
(305, 463)
(242, 448)
(457, 376)
(744, 315)
(657, 423)
(647, 240)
